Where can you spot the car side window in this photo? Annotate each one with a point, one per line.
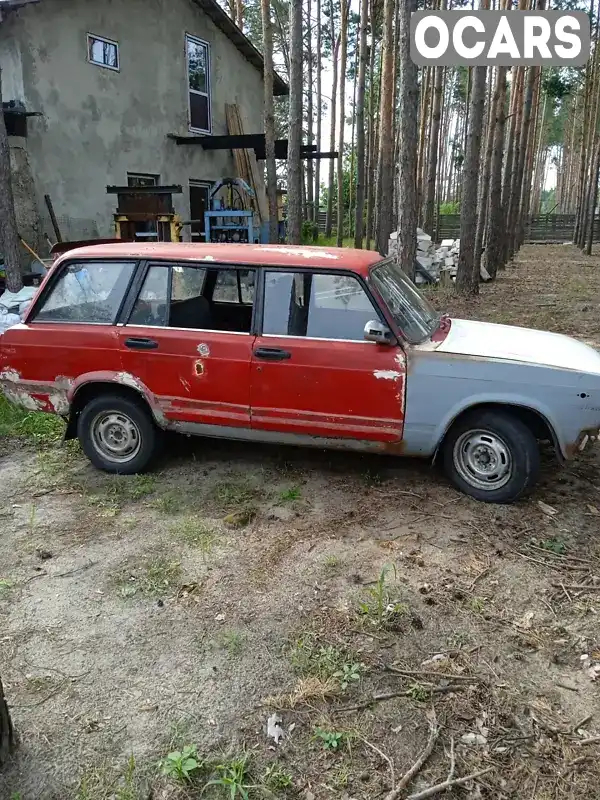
(316, 305)
(234, 286)
(151, 306)
(87, 291)
(187, 303)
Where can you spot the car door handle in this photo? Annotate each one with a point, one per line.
(272, 353)
(141, 344)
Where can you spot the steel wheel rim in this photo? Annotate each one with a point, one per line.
(483, 460)
(116, 436)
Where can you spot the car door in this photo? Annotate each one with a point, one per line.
(191, 355)
(70, 332)
(313, 373)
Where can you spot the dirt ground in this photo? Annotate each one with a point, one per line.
(362, 600)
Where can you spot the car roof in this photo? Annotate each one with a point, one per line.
(257, 255)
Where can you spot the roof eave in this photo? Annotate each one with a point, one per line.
(213, 10)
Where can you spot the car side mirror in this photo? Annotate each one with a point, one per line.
(376, 331)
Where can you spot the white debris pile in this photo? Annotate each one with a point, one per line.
(433, 265)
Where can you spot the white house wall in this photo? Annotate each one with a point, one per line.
(99, 124)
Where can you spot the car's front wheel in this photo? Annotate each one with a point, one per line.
(491, 456)
(117, 434)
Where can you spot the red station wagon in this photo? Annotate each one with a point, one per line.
(294, 345)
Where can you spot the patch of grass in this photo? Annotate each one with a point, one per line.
(331, 562)
(36, 426)
(53, 462)
(232, 494)
(313, 660)
(233, 775)
(233, 642)
(198, 533)
(118, 490)
(101, 783)
(476, 604)
(156, 578)
(6, 586)
(290, 495)
(170, 502)
(275, 777)
(380, 607)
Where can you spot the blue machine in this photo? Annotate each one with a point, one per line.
(229, 219)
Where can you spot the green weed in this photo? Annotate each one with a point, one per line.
(181, 765)
(419, 693)
(330, 740)
(233, 775)
(379, 606)
(233, 642)
(554, 545)
(290, 495)
(5, 586)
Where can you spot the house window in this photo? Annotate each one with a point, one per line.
(103, 52)
(135, 179)
(198, 70)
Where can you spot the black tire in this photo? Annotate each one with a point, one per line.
(7, 739)
(135, 423)
(491, 456)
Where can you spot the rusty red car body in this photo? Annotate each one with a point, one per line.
(298, 345)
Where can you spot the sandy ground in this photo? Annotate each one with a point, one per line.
(140, 615)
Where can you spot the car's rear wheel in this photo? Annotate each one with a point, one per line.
(118, 434)
(492, 456)
(6, 729)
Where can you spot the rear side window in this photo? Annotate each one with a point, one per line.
(87, 291)
(316, 305)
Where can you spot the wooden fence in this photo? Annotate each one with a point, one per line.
(540, 228)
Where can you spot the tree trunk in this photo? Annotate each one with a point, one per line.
(408, 151)
(352, 182)
(295, 125)
(373, 147)
(496, 213)
(484, 187)
(432, 159)
(310, 166)
(516, 191)
(467, 276)
(360, 125)
(385, 166)
(426, 82)
(7, 739)
(334, 85)
(317, 191)
(267, 27)
(9, 237)
(593, 200)
(239, 14)
(342, 109)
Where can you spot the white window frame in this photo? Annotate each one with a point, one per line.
(104, 40)
(197, 40)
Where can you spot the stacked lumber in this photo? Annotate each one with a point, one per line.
(246, 164)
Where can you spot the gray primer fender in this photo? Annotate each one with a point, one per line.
(440, 386)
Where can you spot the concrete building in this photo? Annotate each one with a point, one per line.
(94, 92)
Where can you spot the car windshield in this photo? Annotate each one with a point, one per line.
(413, 313)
